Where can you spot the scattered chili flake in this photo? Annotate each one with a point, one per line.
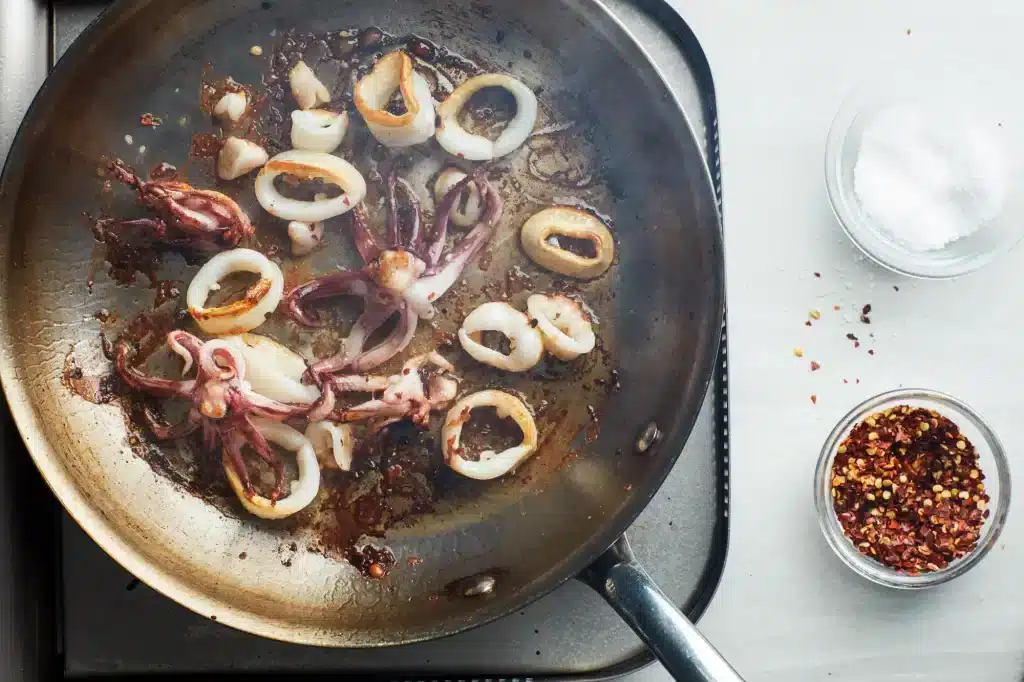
(845, 381)
(799, 352)
(150, 120)
(808, 323)
(814, 399)
(865, 319)
(907, 490)
(817, 274)
(815, 366)
(871, 351)
(835, 308)
(852, 337)
(895, 288)
(866, 310)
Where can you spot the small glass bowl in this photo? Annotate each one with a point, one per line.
(993, 463)
(954, 106)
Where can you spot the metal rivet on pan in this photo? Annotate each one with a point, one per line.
(478, 585)
(648, 437)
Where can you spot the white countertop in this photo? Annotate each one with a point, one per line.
(787, 609)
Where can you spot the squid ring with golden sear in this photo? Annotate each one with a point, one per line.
(526, 343)
(458, 141)
(564, 324)
(306, 165)
(372, 93)
(490, 464)
(540, 235)
(260, 300)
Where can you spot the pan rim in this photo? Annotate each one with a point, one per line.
(182, 591)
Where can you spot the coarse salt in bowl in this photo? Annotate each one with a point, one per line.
(992, 463)
(925, 180)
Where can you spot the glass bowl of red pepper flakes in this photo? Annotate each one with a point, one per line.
(912, 488)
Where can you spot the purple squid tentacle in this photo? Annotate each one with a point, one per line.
(211, 435)
(323, 407)
(162, 388)
(268, 408)
(413, 239)
(186, 346)
(263, 449)
(366, 244)
(394, 344)
(444, 212)
(375, 315)
(232, 453)
(351, 282)
(436, 282)
(392, 219)
(184, 428)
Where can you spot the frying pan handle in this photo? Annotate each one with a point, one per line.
(676, 642)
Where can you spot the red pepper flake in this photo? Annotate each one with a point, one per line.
(856, 344)
(908, 490)
(866, 310)
(815, 366)
(858, 381)
(852, 337)
(871, 351)
(346, 201)
(808, 323)
(814, 399)
(845, 381)
(895, 288)
(835, 308)
(150, 120)
(817, 274)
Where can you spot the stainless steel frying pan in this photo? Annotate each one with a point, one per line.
(514, 541)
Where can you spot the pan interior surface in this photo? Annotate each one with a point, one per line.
(527, 536)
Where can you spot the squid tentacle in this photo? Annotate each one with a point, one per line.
(344, 282)
(163, 431)
(366, 243)
(263, 449)
(162, 388)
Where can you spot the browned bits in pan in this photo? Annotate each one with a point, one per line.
(908, 490)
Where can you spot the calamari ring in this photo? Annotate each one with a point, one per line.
(474, 209)
(490, 464)
(333, 444)
(307, 165)
(318, 130)
(395, 71)
(563, 323)
(456, 140)
(574, 223)
(526, 342)
(303, 490)
(241, 316)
